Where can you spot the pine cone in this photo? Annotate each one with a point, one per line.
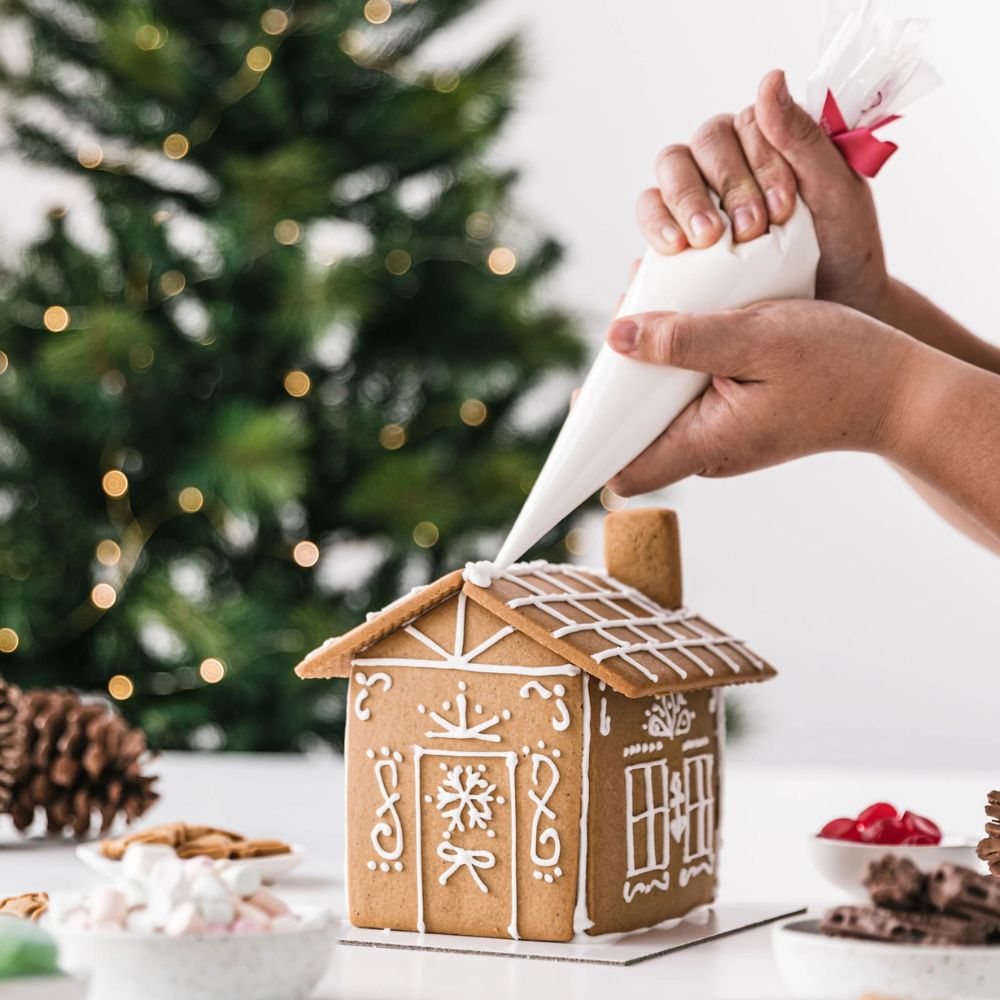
(12, 742)
(81, 759)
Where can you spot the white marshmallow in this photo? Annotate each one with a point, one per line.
(141, 921)
(185, 919)
(62, 904)
(284, 923)
(193, 867)
(266, 900)
(133, 890)
(207, 886)
(139, 859)
(107, 906)
(248, 914)
(217, 912)
(241, 880)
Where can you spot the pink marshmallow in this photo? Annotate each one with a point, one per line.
(266, 900)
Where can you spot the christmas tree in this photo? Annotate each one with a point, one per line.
(286, 378)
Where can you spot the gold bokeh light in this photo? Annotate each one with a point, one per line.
(108, 552)
(190, 499)
(287, 232)
(90, 155)
(259, 58)
(56, 319)
(297, 383)
(120, 687)
(176, 145)
(426, 534)
(103, 596)
(392, 436)
(502, 260)
(472, 412)
(274, 21)
(306, 554)
(212, 670)
(378, 11)
(115, 484)
(9, 640)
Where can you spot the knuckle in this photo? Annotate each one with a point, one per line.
(671, 153)
(688, 198)
(671, 344)
(713, 131)
(745, 118)
(804, 131)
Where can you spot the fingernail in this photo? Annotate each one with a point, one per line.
(670, 235)
(624, 335)
(700, 223)
(775, 199)
(743, 219)
(784, 98)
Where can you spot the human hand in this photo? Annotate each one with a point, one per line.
(755, 161)
(789, 378)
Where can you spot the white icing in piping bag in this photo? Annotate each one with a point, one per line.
(625, 404)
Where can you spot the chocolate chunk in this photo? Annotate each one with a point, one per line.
(873, 923)
(963, 892)
(896, 883)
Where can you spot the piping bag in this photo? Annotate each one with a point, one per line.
(869, 69)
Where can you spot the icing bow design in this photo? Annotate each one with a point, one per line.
(459, 857)
(863, 151)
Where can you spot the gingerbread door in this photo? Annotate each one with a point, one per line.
(467, 838)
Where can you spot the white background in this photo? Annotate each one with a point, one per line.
(884, 623)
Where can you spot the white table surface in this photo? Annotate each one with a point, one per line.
(768, 814)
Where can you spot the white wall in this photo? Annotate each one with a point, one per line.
(884, 622)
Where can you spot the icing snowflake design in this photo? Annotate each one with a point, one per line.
(464, 797)
(669, 716)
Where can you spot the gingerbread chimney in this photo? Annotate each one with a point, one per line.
(642, 548)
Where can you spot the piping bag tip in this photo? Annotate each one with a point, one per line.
(482, 573)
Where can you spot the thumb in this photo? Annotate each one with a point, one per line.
(715, 343)
(821, 171)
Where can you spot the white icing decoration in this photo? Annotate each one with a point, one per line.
(372, 866)
(646, 798)
(605, 722)
(560, 722)
(364, 683)
(581, 918)
(699, 837)
(549, 835)
(669, 716)
(459, 658)
(678, 812)
(510, 758)
(697, 744)
(390, 796)
(460, 728)
(636, 748)
(398, 866)
(384, 866)
(467, 796)
(459, 857)
(480, 574)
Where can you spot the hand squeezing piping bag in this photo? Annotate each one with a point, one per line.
(871, 67)
(625, 404)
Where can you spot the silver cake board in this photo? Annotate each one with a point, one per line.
(717, 922)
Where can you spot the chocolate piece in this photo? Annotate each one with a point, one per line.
(873, 923)
(896, 883)
(964, 893)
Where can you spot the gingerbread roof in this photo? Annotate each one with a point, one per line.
(609, 630)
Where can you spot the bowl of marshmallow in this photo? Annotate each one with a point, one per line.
(198, 929)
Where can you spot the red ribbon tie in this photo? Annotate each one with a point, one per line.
(863, 151)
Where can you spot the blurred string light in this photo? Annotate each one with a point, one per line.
(259, 58)
(378, 11)
(141, 357)
(306, 554)
(103, 596)
(115, 484)
(426, 534)
(190, 499)
(297, 383)
(397, 262)
(351, 42)
(472, 412)
(4, 362)
(392, 437)
(172, 283)
(9, 640)
(274, 21)
(287, 232)
(478, 225)
(149, 37)
(90, 155)
(108, 552)
(176, 145)
(120, 687)
(501, 260)
(56, 319)
(212, 670)
(611, 500)
(445, 80)
(576, 542)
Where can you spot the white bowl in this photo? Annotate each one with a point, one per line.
(122, 965)
(843, 862)
(271, 868)
(817, 967)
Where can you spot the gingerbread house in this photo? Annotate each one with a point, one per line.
(541, 757)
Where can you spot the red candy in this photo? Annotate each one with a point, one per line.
(874, 813)
(922, 826)
(882, 823)
(841, 829)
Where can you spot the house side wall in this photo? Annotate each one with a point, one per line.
(464, 781)
(654, 794)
